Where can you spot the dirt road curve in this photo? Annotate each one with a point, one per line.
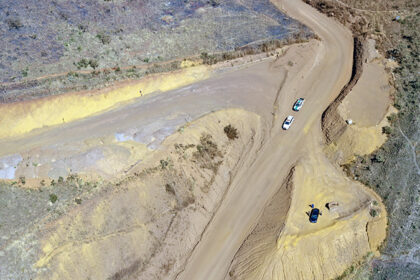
(319, 82)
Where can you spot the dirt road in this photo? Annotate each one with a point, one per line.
(319, 83)
(79, 145)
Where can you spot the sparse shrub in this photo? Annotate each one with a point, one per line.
(22, 180)
(14, 23)
(207, 147)
(53, 198)
(104, 38)
(25, 72)
(378, 158)
(231, 132)
(72, 74)
(60, 180)
(208, 59)
(72, 178)
(392, 118)
(175, 65)
(387, 130)
(214, 3)
(83, 63)
(78, 200)
(82, 27)
(93, 63)
(163, 163)
(189, 200)
(207, 152)
(373, 212)
(169, 189)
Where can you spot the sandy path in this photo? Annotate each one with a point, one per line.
(95, 145)
(319, 83)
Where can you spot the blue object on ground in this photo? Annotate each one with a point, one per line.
(313, 217)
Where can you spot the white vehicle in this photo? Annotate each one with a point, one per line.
(288, 122)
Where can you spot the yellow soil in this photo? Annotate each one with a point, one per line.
(367, 105)
(19, 118)
(124, 226)
(358, 141)
(325, 249)
(347, 233)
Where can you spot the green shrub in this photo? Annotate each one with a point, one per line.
(104, 38)
(93, 63)
(387, 130)
(25, 72)
(373, 212)
(83, 63)
(53, 198)
(392, 118)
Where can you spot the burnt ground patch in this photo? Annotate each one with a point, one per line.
(41, 38)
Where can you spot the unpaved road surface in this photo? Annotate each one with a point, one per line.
(319, 82)
(251, 85)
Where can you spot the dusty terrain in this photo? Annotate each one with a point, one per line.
(193, 178)
(391, 170)
(289, 247)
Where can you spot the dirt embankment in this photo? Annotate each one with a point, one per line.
(148, 225)
(333, 125)
(392, 169)
(344, 234)
(285, 245)
(260, 244)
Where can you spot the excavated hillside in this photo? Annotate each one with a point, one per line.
(387, 158)
(282, 246)
(285, 245)
(166, 202)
